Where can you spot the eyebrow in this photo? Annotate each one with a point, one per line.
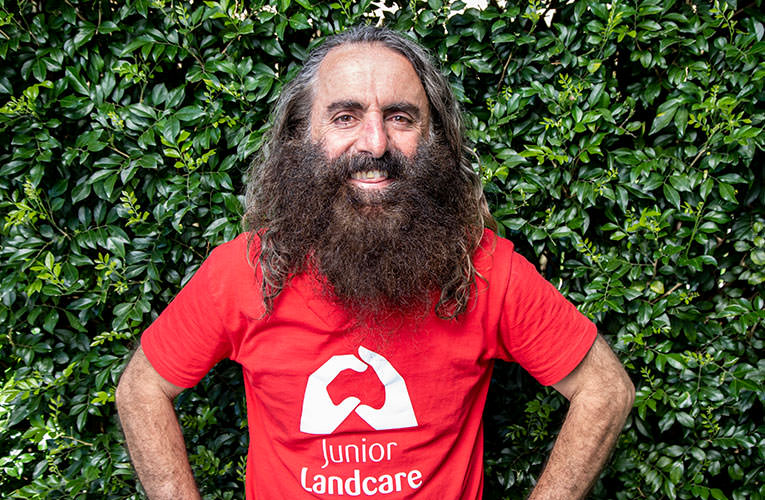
(403, 106)
(340, 105)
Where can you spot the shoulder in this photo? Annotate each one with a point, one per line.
(493, 250)
(234, 261)
(236, 254)
(238, 247)
(231, 274)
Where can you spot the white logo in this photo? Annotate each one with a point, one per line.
(321, 416)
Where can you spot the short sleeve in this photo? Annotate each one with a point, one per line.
(198, 328)
(539, 328)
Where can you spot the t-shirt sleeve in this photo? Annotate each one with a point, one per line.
(539, 328)
(191, 335)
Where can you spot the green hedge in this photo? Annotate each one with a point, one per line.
(620, 143)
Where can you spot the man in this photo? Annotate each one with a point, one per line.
(366, 304)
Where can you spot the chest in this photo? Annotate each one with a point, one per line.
(310, 368)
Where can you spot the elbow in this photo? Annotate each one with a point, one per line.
(623, 395)
(611, 400)
(129, 388)
(141, 388)
(122, 394)
(631, 394)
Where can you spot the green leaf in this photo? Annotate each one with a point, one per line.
(80, 191)
(672, 195)
(299, 21)
(684, 419)
(758, 256)
(718, 494)
(663, 118)
(77, 83)
(480, 65)
(189, 113)
(39, 70)
(727, 192)
(272, 48)
(680, 182)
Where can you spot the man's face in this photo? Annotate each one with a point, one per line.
(373, 199)
(368, 100)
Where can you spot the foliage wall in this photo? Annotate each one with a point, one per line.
(620, 143)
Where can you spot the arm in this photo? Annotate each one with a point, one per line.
(601, 396)
(155, 442)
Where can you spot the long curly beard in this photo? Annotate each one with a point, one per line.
(383, 255)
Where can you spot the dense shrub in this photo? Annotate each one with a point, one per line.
(620, 143)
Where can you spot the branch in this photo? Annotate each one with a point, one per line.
(76, 11)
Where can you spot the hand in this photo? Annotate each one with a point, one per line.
(397, 412)
(320, 415)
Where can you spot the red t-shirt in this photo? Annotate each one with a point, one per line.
(332, 413)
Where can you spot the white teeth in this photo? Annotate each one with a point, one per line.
(369, 174)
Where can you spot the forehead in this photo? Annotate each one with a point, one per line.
(370, 74)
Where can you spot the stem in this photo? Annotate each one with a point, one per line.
(703, 150)
(504, 69)
(76, 11)
(695, 228)
(53, 221)
(78, 441)
(667, 293)
(119, 152)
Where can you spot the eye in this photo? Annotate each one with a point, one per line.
(401, 119)
(343, 119)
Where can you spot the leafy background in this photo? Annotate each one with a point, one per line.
(620, 144)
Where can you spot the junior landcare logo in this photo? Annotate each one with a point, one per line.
(320, 415)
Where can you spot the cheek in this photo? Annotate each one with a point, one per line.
(407, 144)
(332, 152)
(334, 145)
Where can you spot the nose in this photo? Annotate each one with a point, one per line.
(373, 138)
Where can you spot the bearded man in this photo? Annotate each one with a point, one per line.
(365, 263)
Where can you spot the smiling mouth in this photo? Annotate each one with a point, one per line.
(370, 179)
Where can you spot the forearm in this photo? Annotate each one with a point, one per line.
(153, 435)
(600, 394)
(582, 448)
